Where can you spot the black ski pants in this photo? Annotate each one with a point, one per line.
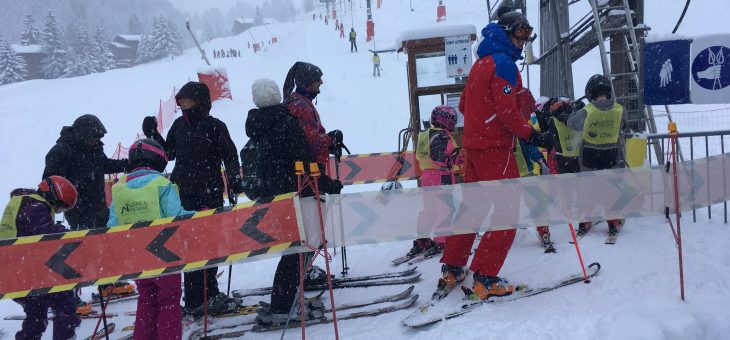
(286, 282)
(353, 45)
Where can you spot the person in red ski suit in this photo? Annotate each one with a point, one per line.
(31, 212)
(492, 119)
(159, 315)
(437, 154)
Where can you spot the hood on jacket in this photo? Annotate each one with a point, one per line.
(261, 121)
(496, 41)
(199, 93)
(70, 136)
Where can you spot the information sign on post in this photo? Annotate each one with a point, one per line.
(710, 75)
(458, 56)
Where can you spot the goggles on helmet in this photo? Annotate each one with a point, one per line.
(523, 33)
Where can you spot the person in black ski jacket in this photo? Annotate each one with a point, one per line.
(199, 143)
(280, 135)
(79, 157)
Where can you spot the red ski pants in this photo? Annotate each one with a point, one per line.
(159, 316)
(486, 165)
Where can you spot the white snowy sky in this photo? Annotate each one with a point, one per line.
(192, 6)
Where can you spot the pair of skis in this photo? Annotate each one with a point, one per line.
(439, 310)
(401, 300)
(386, 279)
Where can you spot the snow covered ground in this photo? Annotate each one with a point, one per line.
(636, 295)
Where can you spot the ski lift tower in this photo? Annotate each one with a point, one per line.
(434, 68)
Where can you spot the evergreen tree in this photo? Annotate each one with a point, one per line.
(102, 57)
(12, 66)
(30, 35)
(82, 60)
(308, 6)
(56, 59)
(144, 52)
(164, 40)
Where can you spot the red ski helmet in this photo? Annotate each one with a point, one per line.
(147, 152)
(59, 192)
(444, 116)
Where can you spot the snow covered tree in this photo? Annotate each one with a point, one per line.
(56, 59)
(82, 53)
(30, 35)
(12, 66)
(144, 52)
(165, 40)
(102, 57)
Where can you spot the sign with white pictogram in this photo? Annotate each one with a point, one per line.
(666, 72)
(458, 56)
(710, 76)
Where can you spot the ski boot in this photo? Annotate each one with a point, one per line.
(114, 290)
(488, 286)
(83, 308)
(223, 304)
(547, 244)
(316, 276)
(450, 277)
(268, 318)
(583, 228)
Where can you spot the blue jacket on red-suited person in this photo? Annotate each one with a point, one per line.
(490, 100)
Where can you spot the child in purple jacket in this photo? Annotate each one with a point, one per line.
(32, 212)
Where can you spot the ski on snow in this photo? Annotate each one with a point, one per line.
(403, 297)
(440, 310)
(384, 279)
(102, 332)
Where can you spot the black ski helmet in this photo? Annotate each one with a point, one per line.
(513, 20)
(147, 152)
(596, 85)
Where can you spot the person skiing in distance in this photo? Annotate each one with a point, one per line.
(376, 64)
(308, 79)
(353, 40)
(200, 143)
(438, 158)
(159, 315)
(32, 212)
(492, 120)
(600, 124)
(342, 31)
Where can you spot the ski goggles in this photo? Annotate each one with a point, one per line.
(523, 33)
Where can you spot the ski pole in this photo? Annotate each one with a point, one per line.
(232, 200)
(343, 248)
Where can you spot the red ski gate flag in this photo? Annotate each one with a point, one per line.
(56, 262)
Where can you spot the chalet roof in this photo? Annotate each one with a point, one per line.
(27, 49)
(119, 45)
(436, 31)
(130, 37)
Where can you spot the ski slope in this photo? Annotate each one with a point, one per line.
(636, 295)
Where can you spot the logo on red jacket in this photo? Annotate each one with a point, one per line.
(507, 89)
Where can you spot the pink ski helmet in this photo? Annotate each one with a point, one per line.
(444, 116)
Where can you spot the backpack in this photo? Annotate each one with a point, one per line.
(253, 166)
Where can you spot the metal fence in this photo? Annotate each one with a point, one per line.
(691, 145)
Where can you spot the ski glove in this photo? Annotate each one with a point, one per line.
(544, 169)
(330, 186)
(543, 140)
(235, 184)
(337, 143)
(149, 126)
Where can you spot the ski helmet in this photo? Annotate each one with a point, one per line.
(444, 116)
(516, 25)
(147, 152)
(596, 85)
(59, 192)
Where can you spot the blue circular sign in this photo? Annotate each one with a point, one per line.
(709, 69)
